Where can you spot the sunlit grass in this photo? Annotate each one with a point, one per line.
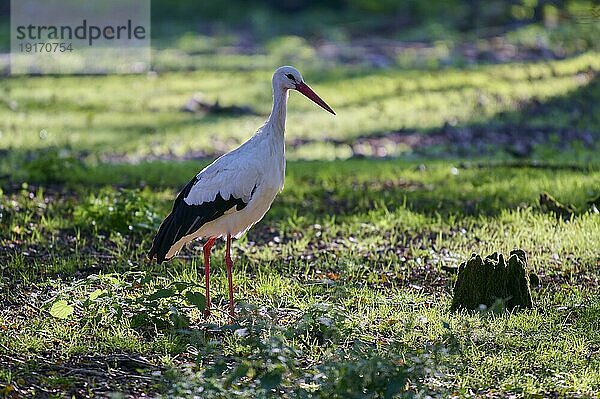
(142, 114)
(352, 252)
(347, 273)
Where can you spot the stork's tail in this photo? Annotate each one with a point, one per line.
(164, 240)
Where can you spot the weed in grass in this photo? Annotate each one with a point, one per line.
(267, 362)
(124, 211)
(134, 297)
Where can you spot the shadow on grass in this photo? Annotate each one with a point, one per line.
(340, 188)
(271, 357)
(539, 129)
(570, 122)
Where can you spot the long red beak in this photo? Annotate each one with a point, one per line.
(308, 92)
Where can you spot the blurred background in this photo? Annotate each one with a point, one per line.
(558, 27)
(407, 78)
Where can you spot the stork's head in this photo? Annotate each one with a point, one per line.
(289, 78)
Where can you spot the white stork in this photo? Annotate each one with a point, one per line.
(235, 191)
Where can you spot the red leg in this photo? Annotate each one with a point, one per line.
(229, 265)
(206, 250)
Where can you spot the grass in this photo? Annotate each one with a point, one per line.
(338, 281)
(140, 115)
(344, 289)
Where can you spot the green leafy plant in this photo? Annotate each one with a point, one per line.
(267, 362)
(123, 211)
(373, 375)
(323, 322)
(61, 309)
(145, 304)
(166, 306)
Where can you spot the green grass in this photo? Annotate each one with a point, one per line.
(339, 289)
(140, 115)
(343, 290)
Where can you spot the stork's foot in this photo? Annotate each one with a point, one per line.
(231, 313)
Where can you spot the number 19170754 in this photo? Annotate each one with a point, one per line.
(47, 47)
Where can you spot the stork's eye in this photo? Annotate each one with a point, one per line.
(290, 76)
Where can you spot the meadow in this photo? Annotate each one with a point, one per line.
(344, 289)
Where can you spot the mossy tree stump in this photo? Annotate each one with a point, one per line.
(486, 281)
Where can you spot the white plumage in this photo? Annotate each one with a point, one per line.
(235, 191)
(256, 183)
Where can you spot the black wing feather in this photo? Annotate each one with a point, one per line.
(185, 219)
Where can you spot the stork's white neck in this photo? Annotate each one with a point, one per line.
(276, 120)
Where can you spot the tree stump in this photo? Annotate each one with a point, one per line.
(487, 281)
